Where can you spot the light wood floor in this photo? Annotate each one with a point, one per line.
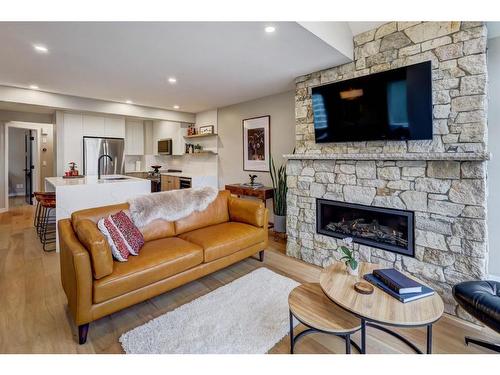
(34, 318)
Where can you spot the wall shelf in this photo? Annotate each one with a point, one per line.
(202, 153)
(201, 135)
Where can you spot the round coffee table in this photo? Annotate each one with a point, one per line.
(309, 305)
(379, 307)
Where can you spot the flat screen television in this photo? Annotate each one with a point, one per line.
(391, 105)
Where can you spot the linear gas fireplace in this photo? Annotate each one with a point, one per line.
(384, 228)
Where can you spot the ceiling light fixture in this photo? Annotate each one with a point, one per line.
(129, 102)
(34, 87)
(176, 106)
(40, 49)
(172, 80)
(270, 29)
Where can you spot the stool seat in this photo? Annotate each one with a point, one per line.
(309, 304)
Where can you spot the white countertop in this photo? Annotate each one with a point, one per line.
(90, 180)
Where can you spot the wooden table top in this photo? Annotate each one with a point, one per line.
(311, 306)
(263, 192)
(379, 306)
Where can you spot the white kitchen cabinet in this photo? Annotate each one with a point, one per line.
(114, 127)
(72, 138)
(134, 137)
(93, 126)
(172, 130)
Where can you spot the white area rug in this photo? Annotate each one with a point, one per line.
(249, 315)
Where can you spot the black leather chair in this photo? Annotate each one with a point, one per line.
(481, 299)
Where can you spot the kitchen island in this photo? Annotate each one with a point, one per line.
(87, 192)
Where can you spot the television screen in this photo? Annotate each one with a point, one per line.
(392, 105)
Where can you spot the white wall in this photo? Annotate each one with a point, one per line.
(281, 108)
(494, 148)
(207, 118)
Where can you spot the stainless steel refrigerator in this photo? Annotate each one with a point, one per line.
(94, 147)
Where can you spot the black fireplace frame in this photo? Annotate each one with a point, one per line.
(410, 215)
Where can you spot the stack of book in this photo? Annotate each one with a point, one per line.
(398, 285)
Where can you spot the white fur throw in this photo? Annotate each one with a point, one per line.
(170, 205)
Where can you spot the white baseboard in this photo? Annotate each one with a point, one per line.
(2, 210)
(494, 278)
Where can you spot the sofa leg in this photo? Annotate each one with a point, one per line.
(261, 255)
(82, 333)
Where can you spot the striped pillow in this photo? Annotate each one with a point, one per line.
(122, 235)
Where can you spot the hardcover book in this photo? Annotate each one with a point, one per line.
(397, 281)
(426, 291)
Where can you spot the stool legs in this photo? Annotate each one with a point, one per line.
(291, 333)
(482, 343)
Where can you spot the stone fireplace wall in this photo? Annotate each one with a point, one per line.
(447, 191)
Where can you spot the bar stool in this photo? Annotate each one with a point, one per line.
(47, 220)
(39, 208)
(311, 307)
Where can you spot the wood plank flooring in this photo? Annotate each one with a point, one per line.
(34, 318)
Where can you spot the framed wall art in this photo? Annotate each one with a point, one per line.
(256, 143)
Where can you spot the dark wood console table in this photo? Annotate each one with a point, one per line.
(263, 193)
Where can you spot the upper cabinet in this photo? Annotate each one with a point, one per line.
(173, 130)
(134, 137)
(93, 125)
(114, 127)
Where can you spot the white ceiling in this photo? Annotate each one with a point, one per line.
(216, 63)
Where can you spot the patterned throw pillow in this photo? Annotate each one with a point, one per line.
(122, 235)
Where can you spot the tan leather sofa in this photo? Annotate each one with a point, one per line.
(174, 253)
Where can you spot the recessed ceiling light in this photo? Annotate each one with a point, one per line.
(129, 102)
(270, 29)
(41, 49)
(172, 80)
(34, 87)
(176, 106)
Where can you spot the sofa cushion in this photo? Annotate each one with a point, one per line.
(215, 213)
(158, 260)
(153, 231)
(224, 239)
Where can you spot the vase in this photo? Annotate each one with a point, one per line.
(279, 224)
(353, 272)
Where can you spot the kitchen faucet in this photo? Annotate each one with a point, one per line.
(99, 164)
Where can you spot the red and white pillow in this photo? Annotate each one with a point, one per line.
(122, 235)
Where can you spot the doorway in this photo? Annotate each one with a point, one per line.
(28, 160)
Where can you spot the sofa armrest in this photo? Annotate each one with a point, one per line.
(247, 211)
(95, 242)
(76, 273)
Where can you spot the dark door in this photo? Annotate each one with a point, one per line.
(28, 166)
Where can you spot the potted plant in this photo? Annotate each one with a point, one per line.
(197, 148)
(348, 256)
(280, 188)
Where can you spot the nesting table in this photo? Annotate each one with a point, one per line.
(379, 309)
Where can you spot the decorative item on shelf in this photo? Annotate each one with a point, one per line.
(256, 143)
(252, 178)
(208, 129)
(279, 198)
(191, 130)
(349, 256)
(197, 148)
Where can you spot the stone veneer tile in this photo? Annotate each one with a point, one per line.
(443, 181)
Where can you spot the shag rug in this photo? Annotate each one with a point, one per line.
(170, 205)
(247, 316)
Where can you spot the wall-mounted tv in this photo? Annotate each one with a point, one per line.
(391, 105)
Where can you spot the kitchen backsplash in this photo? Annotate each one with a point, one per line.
(206, 165)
